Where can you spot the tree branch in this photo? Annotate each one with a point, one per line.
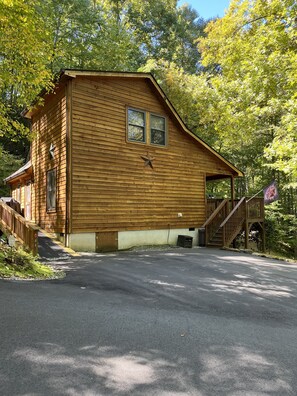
(248, 22)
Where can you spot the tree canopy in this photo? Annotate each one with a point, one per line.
(23, 61)
(253, 50)
(39, 37)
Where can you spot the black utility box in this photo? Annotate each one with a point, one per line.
(185, 241)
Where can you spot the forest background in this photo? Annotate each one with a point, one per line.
(233, 80)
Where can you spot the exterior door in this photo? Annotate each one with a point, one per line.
(106, 241)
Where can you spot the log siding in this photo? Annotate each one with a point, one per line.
(112, 189)
(49, 127)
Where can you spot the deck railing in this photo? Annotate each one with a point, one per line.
(21, 229)
(255, 209)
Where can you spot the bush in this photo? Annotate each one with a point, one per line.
(18, 263)
(16, 257)
(281, 231)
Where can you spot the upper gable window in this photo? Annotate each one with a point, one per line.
(158, 130)
(144, 127)
(136, 125)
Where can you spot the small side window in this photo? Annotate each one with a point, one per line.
(158, 130)
(51, 180)
(136, 125)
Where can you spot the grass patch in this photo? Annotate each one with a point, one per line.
(16, 263)
(277, 256)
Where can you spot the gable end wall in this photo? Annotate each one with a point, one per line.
(112, 190)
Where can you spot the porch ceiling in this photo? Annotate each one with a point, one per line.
(217, 177)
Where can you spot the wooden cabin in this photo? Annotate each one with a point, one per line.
(114, 166)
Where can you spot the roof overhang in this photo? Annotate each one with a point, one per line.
(24, 171)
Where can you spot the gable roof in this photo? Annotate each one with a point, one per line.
(73, 73)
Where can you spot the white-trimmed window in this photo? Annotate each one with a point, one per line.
(146, 127)
(51, 181)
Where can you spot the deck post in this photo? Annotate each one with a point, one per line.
(232, 198)
(232, 191)
(262, 226)
(246, 226)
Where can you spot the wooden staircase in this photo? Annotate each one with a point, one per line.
(225, 223)
(213, 234)
(217, 239)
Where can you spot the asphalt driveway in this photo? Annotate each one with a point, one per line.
(153, 322)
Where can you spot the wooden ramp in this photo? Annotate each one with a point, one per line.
(24, 231)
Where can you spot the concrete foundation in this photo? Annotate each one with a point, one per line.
(86, 242)
(128, 239)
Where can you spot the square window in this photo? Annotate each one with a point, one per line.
(136, 125)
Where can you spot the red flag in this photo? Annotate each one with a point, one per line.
(270, 193)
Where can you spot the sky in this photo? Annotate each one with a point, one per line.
(208, 8)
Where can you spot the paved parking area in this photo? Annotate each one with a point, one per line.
(152, 322)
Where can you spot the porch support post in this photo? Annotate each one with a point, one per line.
(232, 191)
(246, 227)
(261, 224)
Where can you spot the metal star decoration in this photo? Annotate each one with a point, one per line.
(148, 160)
(52, 151)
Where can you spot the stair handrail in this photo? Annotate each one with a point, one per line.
(232, 212)
(15, 224)
(230, 215)
(211, 218)
(215, 212)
